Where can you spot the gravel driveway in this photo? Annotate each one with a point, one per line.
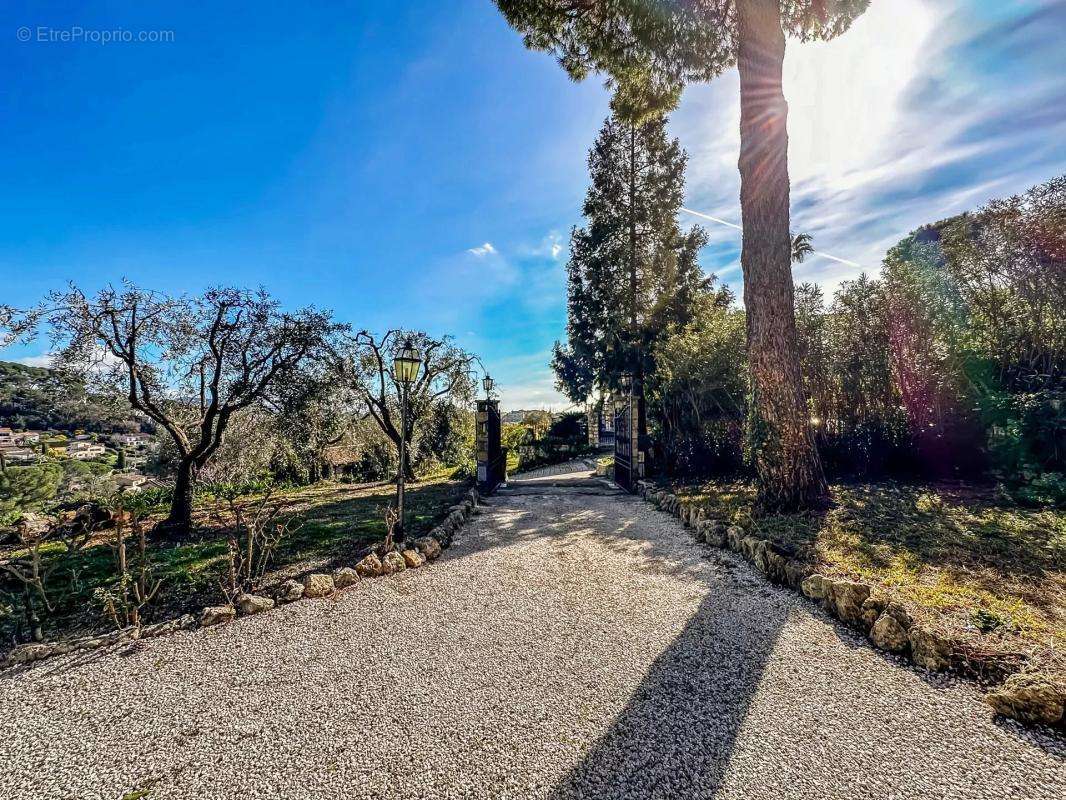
(570, 644)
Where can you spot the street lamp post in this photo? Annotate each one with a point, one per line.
(405, 367)
(488, 383)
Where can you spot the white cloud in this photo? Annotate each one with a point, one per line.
(466, 279)
(526, 381)
(43, 360)
(536, 391)
(846, 96)
(551, 246)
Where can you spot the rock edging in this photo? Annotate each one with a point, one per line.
(1028, 698)
(317, 584)
(320, 584)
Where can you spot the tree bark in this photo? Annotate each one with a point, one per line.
(789, 471)
(180, 517)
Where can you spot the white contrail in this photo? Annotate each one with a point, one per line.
(712, 219)
(701, 215)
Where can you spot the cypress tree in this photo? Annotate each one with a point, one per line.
(632, 270)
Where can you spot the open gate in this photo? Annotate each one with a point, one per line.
(623, 446)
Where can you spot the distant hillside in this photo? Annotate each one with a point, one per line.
(37, 398)
(514, 417)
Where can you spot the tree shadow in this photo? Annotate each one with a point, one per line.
(676, 735)
(959, 530)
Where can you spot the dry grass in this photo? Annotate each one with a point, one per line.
(991, 574)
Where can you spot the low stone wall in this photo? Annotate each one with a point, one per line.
(316, 584)
(1028, 698)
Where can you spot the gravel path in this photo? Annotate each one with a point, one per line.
(570, 644)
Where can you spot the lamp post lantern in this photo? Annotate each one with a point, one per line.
(488, 383)
(405, 367)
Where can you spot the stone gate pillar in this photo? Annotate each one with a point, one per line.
(491, 457)
(592, 418)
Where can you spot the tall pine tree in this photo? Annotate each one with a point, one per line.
(650, 49)
(632, 270)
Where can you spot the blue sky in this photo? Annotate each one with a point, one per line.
(410, 164)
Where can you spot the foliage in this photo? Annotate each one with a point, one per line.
(845, 351)
(569, 426)
(39, 398)
(310, 413)
(513, 435)
(801, 247)
(650, 51)
(538, 423)
(951, 362)
(26, 489)
(978, 328)
(135, 585)
(447, 439)
(257, 523)
(541, 440)
(696, 398)
(43, 546)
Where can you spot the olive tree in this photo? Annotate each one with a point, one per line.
(189, 363)
(363, 363)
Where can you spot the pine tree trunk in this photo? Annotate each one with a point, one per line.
(789, 472)
(180, 518)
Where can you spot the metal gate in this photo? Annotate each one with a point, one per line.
(623, 446)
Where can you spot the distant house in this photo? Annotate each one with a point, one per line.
(28, 437)
(82, 450)
(133, 440)
(147, 442)
(131, 482)
(18, 455)
(7, 437)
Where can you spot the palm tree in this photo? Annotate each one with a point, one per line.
(801, 247)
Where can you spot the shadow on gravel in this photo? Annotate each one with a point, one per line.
(676, 736)
(61, 665)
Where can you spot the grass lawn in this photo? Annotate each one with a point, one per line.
(992, 575)
(340, 522)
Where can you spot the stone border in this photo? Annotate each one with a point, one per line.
(316, 584)
(1028, 698)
